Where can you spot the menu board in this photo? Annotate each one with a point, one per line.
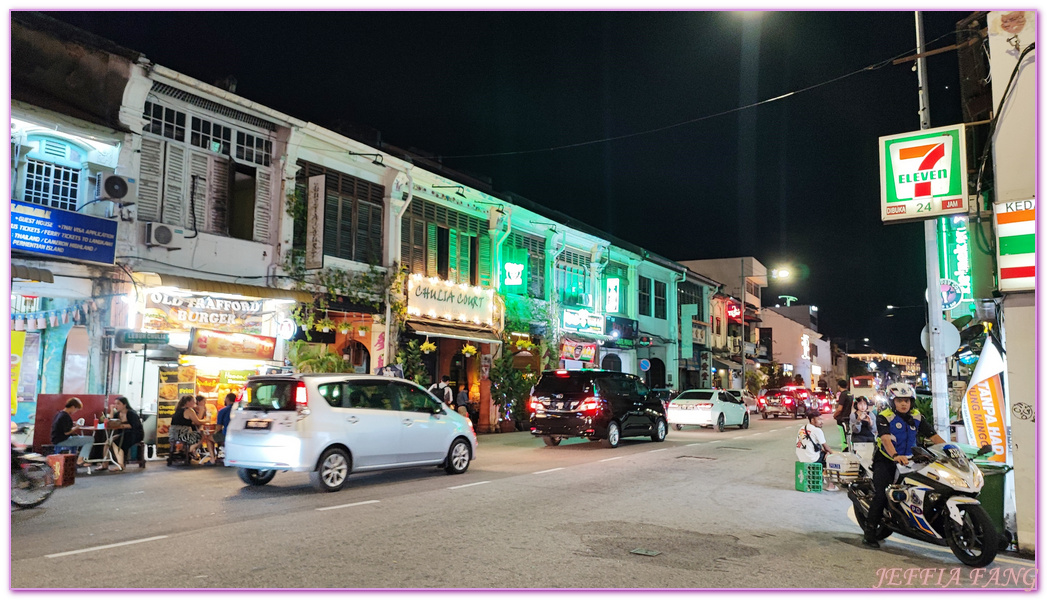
(213, 387)
(174, 383)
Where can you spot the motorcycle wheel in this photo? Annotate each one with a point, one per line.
(883, 531)
(976, 541)
(32, 485)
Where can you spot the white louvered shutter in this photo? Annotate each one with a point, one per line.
(197, 194)
(263, 203)
(150, 179)
(176, 191)
(219, 183)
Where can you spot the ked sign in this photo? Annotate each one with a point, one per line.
(923, 174)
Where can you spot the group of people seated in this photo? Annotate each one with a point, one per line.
(188, 427)
(67, 434)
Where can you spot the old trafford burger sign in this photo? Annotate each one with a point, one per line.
(923, 174)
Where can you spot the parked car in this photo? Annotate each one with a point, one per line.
(708, 408)
(791, 401)
(748, 399)
(825, 400)
(331, 425)
(595, 404)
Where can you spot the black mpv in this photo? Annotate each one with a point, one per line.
(599, 405)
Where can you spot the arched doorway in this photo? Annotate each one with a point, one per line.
(357, 354)
(611, 362)
(655, 377)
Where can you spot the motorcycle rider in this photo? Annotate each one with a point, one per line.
(897, 428)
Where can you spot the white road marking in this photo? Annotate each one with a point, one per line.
(348, 505)
(759, 433)
(612, 458)
(946, 550)
(659, 450)
(696, 443)
(457, 487)
(548, 471)
(106, 547)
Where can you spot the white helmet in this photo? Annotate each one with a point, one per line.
(900, 390)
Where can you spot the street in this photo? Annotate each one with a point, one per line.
(720, 510)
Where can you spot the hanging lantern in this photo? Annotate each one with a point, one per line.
(65, 317)
(53, 318)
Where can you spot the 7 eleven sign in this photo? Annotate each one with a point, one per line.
(923, 174)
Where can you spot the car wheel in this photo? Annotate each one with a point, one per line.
(763, 415)
(256, 476)
(457, 457)
(745, 421)
(678, 427)
(613, 436)
(551, 440)
(660, 429)
(720, 422)
(333, 472)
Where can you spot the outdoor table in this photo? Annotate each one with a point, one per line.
(107, 435)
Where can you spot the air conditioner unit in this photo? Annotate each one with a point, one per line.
(119, 189)
(164, 236)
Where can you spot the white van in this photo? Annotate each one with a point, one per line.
(331, 425)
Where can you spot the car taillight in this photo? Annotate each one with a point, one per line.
(788, 400)
(589, 405)
(762, 400)
(562, 373)
(301, 398)
(704, 405)
(536, 405)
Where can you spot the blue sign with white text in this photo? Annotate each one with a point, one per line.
(54, 232)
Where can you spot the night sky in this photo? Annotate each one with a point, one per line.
(793, 181)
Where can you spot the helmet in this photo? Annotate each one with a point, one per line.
(900, 390)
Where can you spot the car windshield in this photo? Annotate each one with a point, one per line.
(551, 383)
(692, 395)
(270, 395)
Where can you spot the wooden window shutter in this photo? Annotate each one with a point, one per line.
(405, 242)
(331, 212)
(362, 251)
(197, 195)
(452, 256)
(418, 246)
(432, 249)
(175, 188)
(375, 238)
(150, 179)
(465, 249)
(345, 227)
(263, 205)
(220, 183)
(484, 244)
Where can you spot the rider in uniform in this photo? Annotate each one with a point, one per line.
(898, 428)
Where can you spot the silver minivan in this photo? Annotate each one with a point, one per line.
(331, 425)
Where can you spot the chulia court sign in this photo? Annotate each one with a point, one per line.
(923, 174)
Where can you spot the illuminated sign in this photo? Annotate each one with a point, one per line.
(181, 311)
(435, 298)
(514, 271)
(43, 230)
(612, 294)
(954, 263)
(1016, 244)
(734, 311)
(583, 321)
(231, 345)
(577, 351)
(805, 345)
(923, 174)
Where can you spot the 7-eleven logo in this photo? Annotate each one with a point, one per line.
(921, 167)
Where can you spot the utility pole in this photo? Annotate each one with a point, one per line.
(935, 320)
(742, 295)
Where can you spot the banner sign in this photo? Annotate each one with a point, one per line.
(583, 321)
(127, 337)
(514, 270)
(734, 311)
(923, 174)
(314, 222)
(42, 230)
(954, 263)
(17, 346)
(1016, 244)
(220, 344)
(612, 303)
(168, 312)
(439, 299)
(578, 351)
(983, 405)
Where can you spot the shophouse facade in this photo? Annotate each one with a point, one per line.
(697, 321)
(797, 347)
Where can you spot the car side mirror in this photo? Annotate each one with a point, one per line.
(985, 450)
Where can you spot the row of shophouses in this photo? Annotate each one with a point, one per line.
(170, 237)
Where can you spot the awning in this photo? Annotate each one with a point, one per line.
(31, 274)
(238, 289)
(726, 364)
(455, 333)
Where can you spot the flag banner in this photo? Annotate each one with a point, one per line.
(983, 404)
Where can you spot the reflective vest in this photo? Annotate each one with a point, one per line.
(903, 434)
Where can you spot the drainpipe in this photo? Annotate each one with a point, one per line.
(675, 325)
(397, 228)
(507, 213)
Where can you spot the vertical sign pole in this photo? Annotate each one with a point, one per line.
(935, 321)
(743, 324)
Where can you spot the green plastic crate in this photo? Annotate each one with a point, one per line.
(808, 477)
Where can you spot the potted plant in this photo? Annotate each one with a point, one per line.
(344, 328)
(325, 324)
(469, 350)
(427, 347)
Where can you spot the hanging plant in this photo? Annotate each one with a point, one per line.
(344, 328)
(325, 324)
(428, 346)
(468, 349)
(524, 344)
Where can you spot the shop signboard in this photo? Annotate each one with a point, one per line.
(17, 345)
(53, 232)
(203, 342)
(578, 351)
(705, 369)
(583, 321)
(183, 311)
(734, 311)
(128, 337)
(1016, 244)
(923, 174)
(514, 271)
(314, 222)
(612, 301)
(439, 299)
(954, 262)
(687, 314)
(983, 405)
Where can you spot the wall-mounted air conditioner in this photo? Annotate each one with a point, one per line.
(163, 236)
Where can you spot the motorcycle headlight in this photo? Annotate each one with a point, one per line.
(979, 479)
(951, 479)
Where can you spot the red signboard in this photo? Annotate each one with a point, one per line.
(734, 312)
(231, 345)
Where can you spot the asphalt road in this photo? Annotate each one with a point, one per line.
(719, 509)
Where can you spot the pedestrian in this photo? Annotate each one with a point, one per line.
(132, 433)
(810, 443)
(862, 422)
(462, 402)
(442, 390)
(202, 409)
(65, 433)
(222, 420)
(842, 410)
(898, 428)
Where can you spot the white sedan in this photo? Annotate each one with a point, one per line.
(707, 408)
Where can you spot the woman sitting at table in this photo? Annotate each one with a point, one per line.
(132, 433)
(186, 427)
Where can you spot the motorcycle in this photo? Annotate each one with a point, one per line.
(935, 500)
(32, 479)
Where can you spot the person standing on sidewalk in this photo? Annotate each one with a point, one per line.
(810, 443)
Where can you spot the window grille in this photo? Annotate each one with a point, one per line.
(211, 106)
(164, 121)
(210, 136)
(52, 185)
(253, 149)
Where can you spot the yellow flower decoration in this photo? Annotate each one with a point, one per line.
(468, 349)
(428, 347)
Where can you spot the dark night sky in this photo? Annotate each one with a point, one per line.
(792, 181)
